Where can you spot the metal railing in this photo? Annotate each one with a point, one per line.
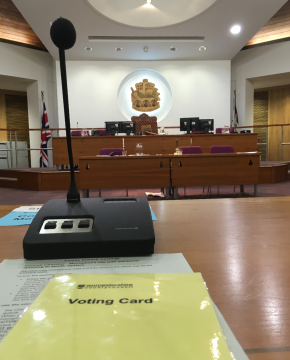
(9, 150)
(259, 143)
(17, 150)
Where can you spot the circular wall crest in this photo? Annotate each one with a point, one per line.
(124, 95)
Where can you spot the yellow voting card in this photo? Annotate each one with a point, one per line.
(119, 317)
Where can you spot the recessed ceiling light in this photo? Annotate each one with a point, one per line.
(173, 48)
(87, 48)
(145, 48)
(235, 29)
(202, 48)
(118, 49)
(148, 1)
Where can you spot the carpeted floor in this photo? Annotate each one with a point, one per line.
(22, 197)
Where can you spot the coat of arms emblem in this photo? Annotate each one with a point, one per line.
(146, 97)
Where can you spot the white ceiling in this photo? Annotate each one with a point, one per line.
(156, 13)
(213, 24)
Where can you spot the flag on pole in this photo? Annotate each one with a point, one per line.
(235, 111)
(45, 136)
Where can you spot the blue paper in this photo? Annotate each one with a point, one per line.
(154, 218)
(17, 218)
(25, 218)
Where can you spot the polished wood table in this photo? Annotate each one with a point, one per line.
(117, 172)
(123, 172)
(215, 169)
(241, 247)
(159, 144)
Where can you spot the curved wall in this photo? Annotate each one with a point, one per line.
(199, 88)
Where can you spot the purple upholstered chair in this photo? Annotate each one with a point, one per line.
(191, 150)
(111, 151)
(197, 132)
(220, 130)
(221, 149)
(79, 132)
(104, 133)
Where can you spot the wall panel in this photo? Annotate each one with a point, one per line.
(4, 136)
(261, 118)
(3, 121)
(279, 113)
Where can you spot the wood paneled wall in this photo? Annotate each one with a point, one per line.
(272, 106)
(261, 118)
(279, 113)
(17, 116)
(277, 28)
(15, 29)
(3, 121)
(13, 114)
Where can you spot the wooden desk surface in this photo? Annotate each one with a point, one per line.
(241, 247)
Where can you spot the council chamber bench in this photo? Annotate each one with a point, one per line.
(123, 172)
(158, 144)
(117, 172)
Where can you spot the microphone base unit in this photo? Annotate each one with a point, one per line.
(101, 227)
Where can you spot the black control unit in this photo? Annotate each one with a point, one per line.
(98, 227)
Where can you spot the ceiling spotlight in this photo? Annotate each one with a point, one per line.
(87, 48)
(173, 48)
(202, 48)
(235, 29)
(145, 48)
(118, 49)
(148, 1)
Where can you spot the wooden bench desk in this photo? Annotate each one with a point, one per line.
(123, 172)
(159, 144)
(215, 169)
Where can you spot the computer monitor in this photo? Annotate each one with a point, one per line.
(112, 127)
(127, 127)
(189, 124)
(206, 125)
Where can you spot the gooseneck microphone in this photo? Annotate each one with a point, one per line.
(63, 35)
(88, 227)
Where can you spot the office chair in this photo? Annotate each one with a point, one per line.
(111, 151)
(220, 130)
(187, 150)
(79, 132)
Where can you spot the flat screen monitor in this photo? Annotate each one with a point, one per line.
(206, 125)
(189, 124)
(112, 127)
(127, 127)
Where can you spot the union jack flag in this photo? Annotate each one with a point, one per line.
(45, 136)
(235, 121)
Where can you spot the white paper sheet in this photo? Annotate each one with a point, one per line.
(28, 208)
(21, 281)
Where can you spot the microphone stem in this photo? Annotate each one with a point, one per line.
(73, 194)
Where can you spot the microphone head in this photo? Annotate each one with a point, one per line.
(63, 33)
